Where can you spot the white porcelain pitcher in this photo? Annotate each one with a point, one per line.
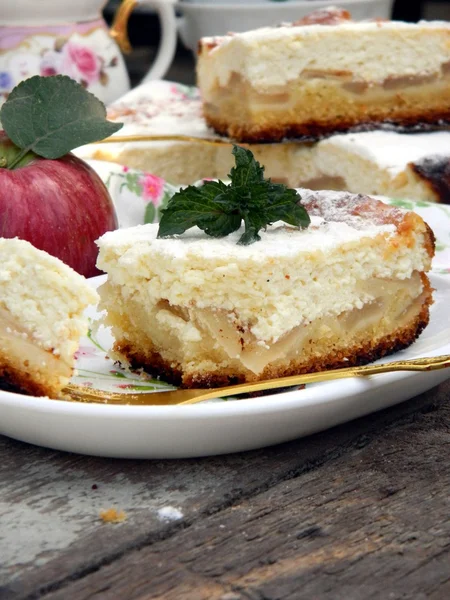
(48, 37)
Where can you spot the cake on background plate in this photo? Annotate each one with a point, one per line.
(324, 74)
(414, 166)
(203, 311)
(42, 301)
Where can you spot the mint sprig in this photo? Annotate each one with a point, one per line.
(219, 209)
(51, 116)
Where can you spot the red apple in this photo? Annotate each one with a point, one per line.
(60, 206)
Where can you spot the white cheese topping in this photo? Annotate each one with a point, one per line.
(279, 240)
(42, 298)
(370, 51)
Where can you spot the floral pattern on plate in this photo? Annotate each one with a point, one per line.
(95, 369)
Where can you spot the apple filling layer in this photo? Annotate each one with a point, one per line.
(193, 340)
(28, 365)
(284, 96)
(307, 100)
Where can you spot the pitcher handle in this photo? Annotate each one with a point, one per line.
(168, 43)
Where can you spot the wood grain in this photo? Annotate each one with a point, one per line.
(374, 524)
(358, 507)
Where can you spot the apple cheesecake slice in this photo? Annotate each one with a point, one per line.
(202, 311)
(42, 302)
(322, 74)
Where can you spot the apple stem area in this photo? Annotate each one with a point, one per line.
(12, 156)
(17, 159)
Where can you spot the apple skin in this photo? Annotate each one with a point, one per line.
(60, 206)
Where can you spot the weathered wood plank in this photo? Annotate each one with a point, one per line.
(371, 524)
(50, 531)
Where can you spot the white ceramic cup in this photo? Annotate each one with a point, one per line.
(202, 18)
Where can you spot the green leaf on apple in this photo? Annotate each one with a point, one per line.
(51, 116)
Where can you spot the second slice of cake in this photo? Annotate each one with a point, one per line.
(42, 304)
(202, 311)
(324, 74)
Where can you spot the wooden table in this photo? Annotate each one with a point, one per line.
(357, 512)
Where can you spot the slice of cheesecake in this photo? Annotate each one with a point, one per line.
(323, 74)
(201, 311)
(42, 301)
(385, 163)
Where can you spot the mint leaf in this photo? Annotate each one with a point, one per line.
(219, 209)
(247, 170)
(284, 206)
(53, 115)
(197, 206)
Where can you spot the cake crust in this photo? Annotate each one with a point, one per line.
(19, 381)
(271, 130)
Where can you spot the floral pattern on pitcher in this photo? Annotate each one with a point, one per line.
(76, 60)
(83, 52)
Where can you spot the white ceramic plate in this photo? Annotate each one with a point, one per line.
(221, 426)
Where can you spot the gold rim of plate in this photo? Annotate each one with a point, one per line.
(120, 139)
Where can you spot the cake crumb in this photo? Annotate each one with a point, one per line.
(111, 515)
(169, 513)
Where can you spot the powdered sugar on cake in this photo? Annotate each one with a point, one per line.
(358, 212)
(201, 310)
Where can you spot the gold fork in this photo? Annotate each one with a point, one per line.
(192, 396)
(119, 139)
